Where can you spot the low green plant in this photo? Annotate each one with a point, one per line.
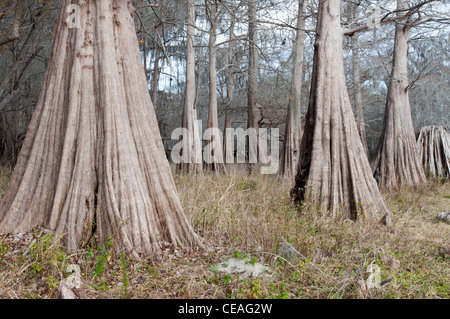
(3, 250)
(278, 291)
(252, 289)
(237, 254)
(226, 279)
(52, 282)
(46, 254)
(103, 257)
(125, 281)
(246, 184)
(102, 260)
(252, 261)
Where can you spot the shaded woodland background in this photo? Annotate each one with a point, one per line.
(162, 35)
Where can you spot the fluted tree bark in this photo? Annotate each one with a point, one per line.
(398, 161)
(93, 166)
(334, 175)
(356, 73)
(357, 93)
(192, 162)
(214, 150)
(434, 150)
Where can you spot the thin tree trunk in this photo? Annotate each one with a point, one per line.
(144, 49)
(18, 60)
(14, 33)
(229, 84)
(397, 160)
(352, 16)
(93, 166)
(155, 75)
(192, 147)
(214, 150)
(357, 93)
(334, 175)
(252, 86)
(292, 137)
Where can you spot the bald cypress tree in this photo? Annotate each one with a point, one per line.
(398, 160)
(334, 175)
(93, 164)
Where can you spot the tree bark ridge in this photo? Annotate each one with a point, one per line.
(334, 175)
(93, 152)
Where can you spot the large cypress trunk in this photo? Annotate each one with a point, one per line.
(93, 160)
(397, 159)
(434, 150)
(334, 174)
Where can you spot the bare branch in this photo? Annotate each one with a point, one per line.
(16, 88)
(365, 27)
(14, 32)
(408, 13)
(152, 5)
(3, 12)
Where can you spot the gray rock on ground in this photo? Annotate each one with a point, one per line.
(73, 281)
(444, 216)
(243, 267)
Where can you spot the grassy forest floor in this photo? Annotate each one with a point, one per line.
(247, 217)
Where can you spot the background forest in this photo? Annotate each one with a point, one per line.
(262, 74)
(162, 34)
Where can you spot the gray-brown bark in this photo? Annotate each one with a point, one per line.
(252, 82)
(214, 150)
(192, 148)
(397, 159)
(14, 33)
(434, 150)
(334, 174)
(352, 16)
(229, 85)
(155, 75)
(357, 94)
(93, 158)
(292, 137)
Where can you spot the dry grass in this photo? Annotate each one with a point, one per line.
(239, 215)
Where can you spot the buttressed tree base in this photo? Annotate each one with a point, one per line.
(93, 159)
(334, 174)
